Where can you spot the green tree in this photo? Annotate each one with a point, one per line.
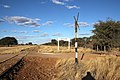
(8, 41)
(107, 33)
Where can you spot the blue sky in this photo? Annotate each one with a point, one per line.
(39, 21)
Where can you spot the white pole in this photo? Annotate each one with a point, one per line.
(68, 43)
(97, 47)
(104, 48)
(58, 44)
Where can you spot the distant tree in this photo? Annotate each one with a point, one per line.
(63, 43)
(8, 41)
(30, 43)
(54, 42)
(82, 42)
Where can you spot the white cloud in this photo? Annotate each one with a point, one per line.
(23, 21)
(47, 23)
(72, 6)
(1, 20)
(64, 3)
(42, 2)
(15, 31)
(58, 2)
(44, 35)
(66, 0)
(6, 6)
(36, 31)
(37, 19)
(95, 23)
(23, 32)
(57, 34)
(68, 24)
(81, 24)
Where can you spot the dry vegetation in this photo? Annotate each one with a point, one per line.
(63, 49)
(12, 50)
(103, 68)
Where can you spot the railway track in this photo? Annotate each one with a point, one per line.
(8, 74)
(8, 59)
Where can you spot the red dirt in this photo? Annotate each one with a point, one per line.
(37, 68)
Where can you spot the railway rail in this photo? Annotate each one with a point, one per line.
(8, 74)
(8, 59)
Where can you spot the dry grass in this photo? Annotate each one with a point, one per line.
(12, 50)
(42, 49)
(63, 49)
(103, 68)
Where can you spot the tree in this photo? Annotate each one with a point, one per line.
(107, 34)
(54, 42)
(8, 41)
(30, 43)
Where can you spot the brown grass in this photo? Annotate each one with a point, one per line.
(103, 68)
(43, 49)
(13, 50)
(63, 49)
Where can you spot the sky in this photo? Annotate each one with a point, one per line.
(39, 21)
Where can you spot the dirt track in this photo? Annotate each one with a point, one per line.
(37, 68)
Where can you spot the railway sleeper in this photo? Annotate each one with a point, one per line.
(12, 71)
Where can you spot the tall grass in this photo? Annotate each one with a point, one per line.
(103, 68)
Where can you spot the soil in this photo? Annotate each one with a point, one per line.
(37, 68)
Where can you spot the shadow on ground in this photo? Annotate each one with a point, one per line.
(88, 77)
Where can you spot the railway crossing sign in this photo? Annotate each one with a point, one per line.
(76, 34)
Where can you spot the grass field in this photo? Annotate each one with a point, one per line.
(13, 50)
